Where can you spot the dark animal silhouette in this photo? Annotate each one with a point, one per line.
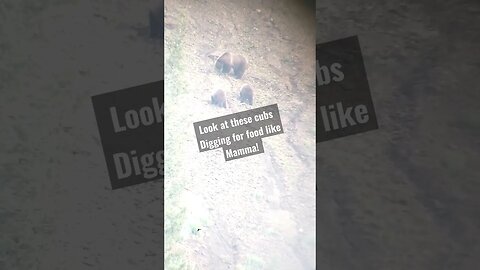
(224, 63)
(239, 65)
(229, 63)
(246, 94)
(219, 98)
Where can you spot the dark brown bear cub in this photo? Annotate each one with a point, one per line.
(219, 98)
(246, 94)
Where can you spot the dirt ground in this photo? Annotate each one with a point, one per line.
(256, 212)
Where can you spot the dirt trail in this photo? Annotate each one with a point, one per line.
(256, 212)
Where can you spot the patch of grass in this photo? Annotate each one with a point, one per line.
(176, 260)
(287, 61)
(272, 233)
(175, 214)
(175, 65)
(253, 263)
(259, 196)
(174, 218)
